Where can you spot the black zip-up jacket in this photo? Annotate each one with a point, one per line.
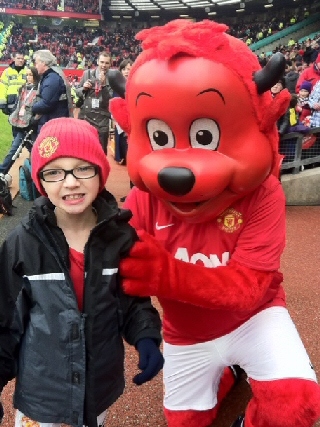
(68, 364)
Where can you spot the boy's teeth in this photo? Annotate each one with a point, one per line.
(74, 196)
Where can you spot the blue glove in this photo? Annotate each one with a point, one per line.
(1, 412)
(150, 360)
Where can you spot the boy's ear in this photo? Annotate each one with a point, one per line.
(119, 111)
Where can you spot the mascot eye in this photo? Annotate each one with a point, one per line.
(204, 133)
(160, 134)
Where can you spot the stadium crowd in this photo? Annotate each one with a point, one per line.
(74, 47)
(80, 6)
(79, 47)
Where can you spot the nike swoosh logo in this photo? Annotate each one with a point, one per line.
(161, 227)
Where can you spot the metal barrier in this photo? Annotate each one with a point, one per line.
(300, 150)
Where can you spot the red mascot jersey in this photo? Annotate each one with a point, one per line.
(251, 232)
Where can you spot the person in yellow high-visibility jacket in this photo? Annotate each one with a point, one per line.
(12, 78)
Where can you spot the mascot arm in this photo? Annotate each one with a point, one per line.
(152, 271)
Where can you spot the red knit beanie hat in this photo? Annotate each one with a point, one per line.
(68, 137)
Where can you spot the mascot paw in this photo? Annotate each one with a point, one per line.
(142, 269)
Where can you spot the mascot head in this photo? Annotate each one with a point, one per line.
(200, 118)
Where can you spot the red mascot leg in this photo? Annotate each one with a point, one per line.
(193, 418)
(283, 403)
(190, 418)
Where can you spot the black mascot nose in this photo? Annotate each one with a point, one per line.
(176, 181)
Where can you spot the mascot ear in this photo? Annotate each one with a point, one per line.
(276, 109)
(264, 80)
(117, 81)
(118, 109)
(118, 106)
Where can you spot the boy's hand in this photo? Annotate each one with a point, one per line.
(150, 360)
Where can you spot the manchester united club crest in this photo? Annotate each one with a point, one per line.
(48, 147)
(230, 220)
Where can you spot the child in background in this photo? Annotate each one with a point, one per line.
(22, 119)
(295, 124)
(303, 107)
(63, 314)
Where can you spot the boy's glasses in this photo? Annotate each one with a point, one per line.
(81, 172)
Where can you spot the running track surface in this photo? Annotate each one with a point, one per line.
(142, 406)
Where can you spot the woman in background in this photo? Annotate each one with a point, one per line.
(22, 119)
(121, 141)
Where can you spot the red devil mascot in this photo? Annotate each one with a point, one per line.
(202, 151)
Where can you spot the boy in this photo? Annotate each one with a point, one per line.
(303, 107)
(63, 313)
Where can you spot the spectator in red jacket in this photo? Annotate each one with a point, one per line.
(310, 74)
